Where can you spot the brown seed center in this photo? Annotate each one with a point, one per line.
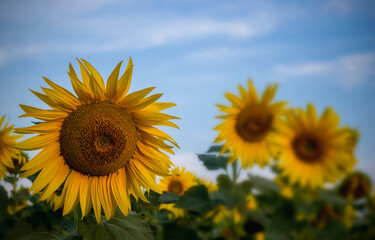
(254, 123)
(308, 148)
(98, 138)
(175, 186)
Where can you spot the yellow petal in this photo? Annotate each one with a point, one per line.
(48, 172)
(40, 128)
(56, 182)
(95, 74)
(73, 183)
(124, 81)
(136, 96)
(85, 196)
(38, 142)
(111, 89)
(95, 198)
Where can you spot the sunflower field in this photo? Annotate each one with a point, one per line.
(103, 170)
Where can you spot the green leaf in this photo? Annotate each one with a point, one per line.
(264, 185)
(213, 162)
(179, 231)
(131, 227)
(39, 236)
(22, 194)
(10, 179)
(215, 148)
(234, 194)
(197, 199)
(332, 230)
(331, 196)
(168, 197)
(36, 226)
(4, 202)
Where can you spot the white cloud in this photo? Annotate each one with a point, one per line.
(215, 53)
(88, 29)
(349, 70)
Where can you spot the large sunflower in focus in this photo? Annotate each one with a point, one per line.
(101, 145)
(314, 150)
(9, 154)
(179, 181)
(249, 124)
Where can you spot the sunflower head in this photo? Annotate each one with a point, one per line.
(355, 186)
(100, 145)
(9, 153)
(313, 150)
(179, 181)
(248, 124)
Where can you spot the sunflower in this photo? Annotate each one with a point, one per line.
(9, 154)
(313, 150)
(179, 181)
(251, 203)
(249, 124)
(355, 186)
(101, 145)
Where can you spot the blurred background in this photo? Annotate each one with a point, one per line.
(193, 51)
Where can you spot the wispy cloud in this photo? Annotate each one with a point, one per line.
(82, 30)
(349, 70)
(215, 53)
(348, 6)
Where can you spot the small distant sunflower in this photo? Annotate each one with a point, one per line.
(9, 154)
(313, 150)
(251, 203)
(355, 186)
(249, 124)
(179, 181)
(101, 145)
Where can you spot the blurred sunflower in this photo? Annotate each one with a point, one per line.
(355, 186)
(101, 145)
(9, 154)
(251, 203)
(178, 182)
(177, 212)
(313, 150)
(285, 190)
(249, 123)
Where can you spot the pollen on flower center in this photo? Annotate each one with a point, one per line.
(98, 138)
(253, 123)
(175, 187)
(308, 148)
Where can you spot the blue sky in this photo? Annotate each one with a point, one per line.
(193, 51)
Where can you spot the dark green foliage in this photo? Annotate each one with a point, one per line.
(213, 162)
(197, 199)
(132, 227)
(234, 194)
(179, 230)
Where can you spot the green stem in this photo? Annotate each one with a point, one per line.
(234, 170)
(76, 218)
